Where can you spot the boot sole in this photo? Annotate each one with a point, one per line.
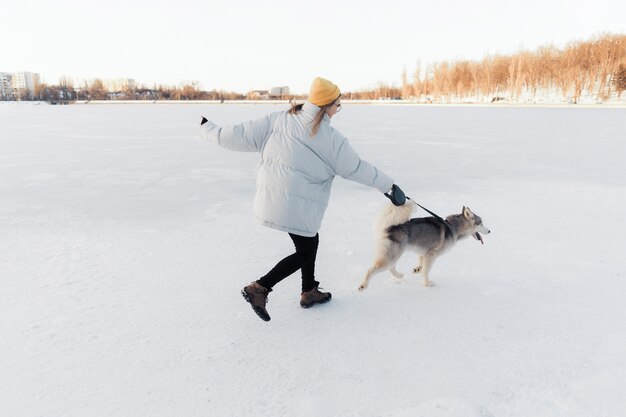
(315, 303)
(259, 312)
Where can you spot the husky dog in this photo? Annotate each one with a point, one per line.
(430, 237)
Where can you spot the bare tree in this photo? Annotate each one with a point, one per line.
(97, 91)
(619, 79)
(66, 86)
(406, 87)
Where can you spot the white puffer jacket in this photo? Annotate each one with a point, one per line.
(296, 170)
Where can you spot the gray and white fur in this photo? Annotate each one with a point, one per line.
(429, 237)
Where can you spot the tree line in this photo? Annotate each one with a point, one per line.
(594, 68)
(65, 91)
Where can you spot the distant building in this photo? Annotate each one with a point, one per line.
(24, 82)
(6, 89)
(120, 84)
(17, 84)
(259, 95)
(274, 92)
(279, 91)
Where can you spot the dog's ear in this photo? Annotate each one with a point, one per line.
(468, 213)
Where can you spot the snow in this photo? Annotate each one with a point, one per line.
(125, 240)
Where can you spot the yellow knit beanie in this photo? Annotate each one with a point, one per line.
(323, 92)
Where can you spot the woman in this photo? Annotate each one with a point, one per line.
(300, 156)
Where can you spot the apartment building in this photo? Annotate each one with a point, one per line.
(279, 91)
(24, 82)
(6, 89)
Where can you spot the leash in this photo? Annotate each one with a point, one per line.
(397, 194)
(436, 216)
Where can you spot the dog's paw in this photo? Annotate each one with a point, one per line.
(362, 287)
(429, 284)
(417, 269)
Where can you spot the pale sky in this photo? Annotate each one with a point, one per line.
(245, 45)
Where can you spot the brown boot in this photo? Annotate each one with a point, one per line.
(256, 295)
(310, 298)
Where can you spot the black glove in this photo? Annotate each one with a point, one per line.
(396, 195)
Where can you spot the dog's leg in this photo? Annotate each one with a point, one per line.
(395, 272)
(387, 255)
(379, 265)
(418, 268)
(427, 263)
(429, 258)
(375, 269)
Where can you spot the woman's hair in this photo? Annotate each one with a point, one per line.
(317, 120)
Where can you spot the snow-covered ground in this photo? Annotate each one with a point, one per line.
(125, 240)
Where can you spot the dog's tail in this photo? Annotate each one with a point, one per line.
(392, 215)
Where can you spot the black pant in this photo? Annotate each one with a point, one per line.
(304, 259)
